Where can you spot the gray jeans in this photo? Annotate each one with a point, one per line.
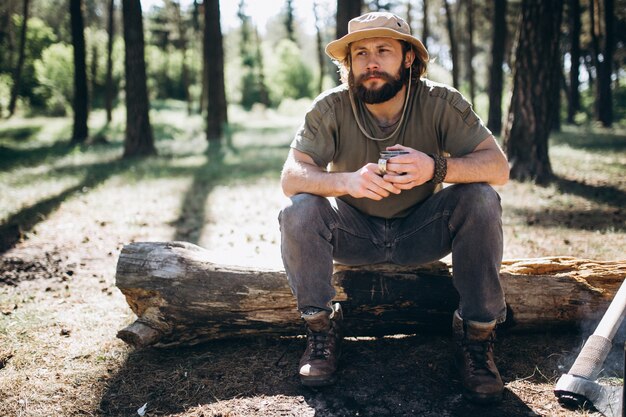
(464, 219)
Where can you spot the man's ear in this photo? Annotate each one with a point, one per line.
(409, 57)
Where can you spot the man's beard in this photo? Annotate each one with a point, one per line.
(389, 89)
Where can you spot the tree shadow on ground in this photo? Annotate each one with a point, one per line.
(17, 151)
(13, 229)
(603, 194)
(596, 219)
(190, 223)
(591, 139)
(406, 376)
(20, 133)
(250, 163)
(612, 217)
(11, 157)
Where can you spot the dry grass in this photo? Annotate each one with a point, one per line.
(60, 310)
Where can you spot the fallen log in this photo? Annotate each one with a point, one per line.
(181, 298)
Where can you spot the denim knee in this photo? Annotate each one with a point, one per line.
(479, 199)
(304, 209)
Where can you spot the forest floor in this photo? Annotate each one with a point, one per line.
(65, 214)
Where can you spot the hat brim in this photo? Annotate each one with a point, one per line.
(338, 49)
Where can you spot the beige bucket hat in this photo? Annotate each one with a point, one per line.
(375, 25)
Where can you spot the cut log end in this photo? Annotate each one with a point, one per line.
(139, 335)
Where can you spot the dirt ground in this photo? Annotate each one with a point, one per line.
(60, 311)
(79, 367)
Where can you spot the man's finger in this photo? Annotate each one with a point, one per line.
(386, 185)
(398, 178)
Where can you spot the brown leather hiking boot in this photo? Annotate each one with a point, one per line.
(323, 348)
(474, 360)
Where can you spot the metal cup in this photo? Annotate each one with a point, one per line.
(385, 156)
(390, 154)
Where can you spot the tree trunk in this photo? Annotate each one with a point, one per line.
(139, 140)
(17, 72)
(198, 29)
(214, 70)
(264, 97)
(594, 22)
(588, 62)
(289, 19)
(470, 51)
(182, 33)
(496, 75)
(321, 57)
(80, 130)
(454, 55)
(346, 10)
(560, 92)
(573, 104)
(6, 14)
(535, 86)
(93, 77)
(7, 44)
(108, 89)
(425, 25)
(605, 100)
(182, 298)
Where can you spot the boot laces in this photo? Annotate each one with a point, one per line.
(478, 359)
(319, 344)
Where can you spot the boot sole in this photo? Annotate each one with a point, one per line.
(483, 399)
(318, 382)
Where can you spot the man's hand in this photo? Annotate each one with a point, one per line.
(409, 170)
(368, 183)
(486, 163)
(301, 175)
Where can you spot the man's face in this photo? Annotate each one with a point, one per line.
(378, 69)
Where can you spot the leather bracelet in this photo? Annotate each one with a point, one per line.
(441, 169)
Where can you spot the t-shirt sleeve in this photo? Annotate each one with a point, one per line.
(460, 128)
(317, 135)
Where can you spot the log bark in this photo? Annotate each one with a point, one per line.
(181, 298)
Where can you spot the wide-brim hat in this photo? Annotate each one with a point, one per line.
(375, 25)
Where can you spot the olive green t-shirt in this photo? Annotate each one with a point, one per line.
(438, 119)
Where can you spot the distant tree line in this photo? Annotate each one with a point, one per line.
(563, 61)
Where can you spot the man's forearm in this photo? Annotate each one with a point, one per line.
(299, 177)
(487, 165)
